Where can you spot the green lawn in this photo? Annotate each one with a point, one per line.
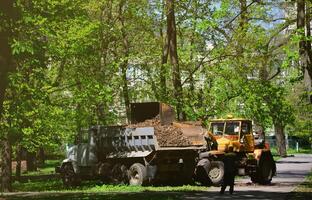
(99, 196)
(292, 151)
(95, 190)
(47, 168)
(93, 186)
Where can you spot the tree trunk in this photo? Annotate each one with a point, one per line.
(41, 157)
(305, 53)
(6, 168)
(18, 169)
(280, 139)
(174, 60)
(8, 15)
(308, 49)
(163, 70)
(31, 161)
(164, 60)
(105, 39)
(124, 63)
(243, 20)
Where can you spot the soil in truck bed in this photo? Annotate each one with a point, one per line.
(167, 135)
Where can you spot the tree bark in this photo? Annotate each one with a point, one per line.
(18, 169)
(105, 39)
(31, 161)
(280, 139)
(6, 168)
(124, 63)
(164, 60)
(174, 60)
(243, 20)
(163, 69)
(8, 16)
(305, 53)
(41, 156)
(308, 49)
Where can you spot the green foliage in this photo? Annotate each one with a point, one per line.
(69, 56)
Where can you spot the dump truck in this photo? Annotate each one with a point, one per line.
(235, 136)
(153, 149)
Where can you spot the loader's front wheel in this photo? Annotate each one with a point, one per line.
(137, 174)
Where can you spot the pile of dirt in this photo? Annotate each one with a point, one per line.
(167, 135)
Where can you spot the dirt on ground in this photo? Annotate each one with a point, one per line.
(167, 135)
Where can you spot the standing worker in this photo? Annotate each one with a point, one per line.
(229, 171)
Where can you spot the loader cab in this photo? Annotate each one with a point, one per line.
(233, 132)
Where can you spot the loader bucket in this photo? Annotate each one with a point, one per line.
(149, 110)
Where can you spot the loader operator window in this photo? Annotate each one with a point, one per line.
(245, 128)
(231, 128)
(217, 128)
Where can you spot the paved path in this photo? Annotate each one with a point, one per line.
(291, 171)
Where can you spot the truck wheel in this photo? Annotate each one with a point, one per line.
(216, 172)
(68, 176)
(119, 174)
(137, 174)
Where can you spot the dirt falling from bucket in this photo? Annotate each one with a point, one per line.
(167, 135)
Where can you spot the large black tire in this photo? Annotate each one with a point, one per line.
(69, 177)
(119, 174)
(137, 174)
(216, 173)
(265, 170)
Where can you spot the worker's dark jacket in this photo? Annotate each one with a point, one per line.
(229, 168)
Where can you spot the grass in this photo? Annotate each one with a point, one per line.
(292, 151)
(107, 196)
(94, 187)
(47, 168)
(94, 190)
(303, 191)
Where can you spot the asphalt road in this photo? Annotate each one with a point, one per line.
(291, 171)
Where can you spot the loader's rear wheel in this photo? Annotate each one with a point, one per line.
(137, 174)
(216, 172)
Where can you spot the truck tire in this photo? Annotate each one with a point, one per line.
(201, 172)
(216, 172)
(68, 175)
(119, 174)
(137, 174)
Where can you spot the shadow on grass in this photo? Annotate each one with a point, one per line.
(256, 195)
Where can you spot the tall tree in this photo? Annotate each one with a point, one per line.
(8, 16)
(174, 59)
(305, 52)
